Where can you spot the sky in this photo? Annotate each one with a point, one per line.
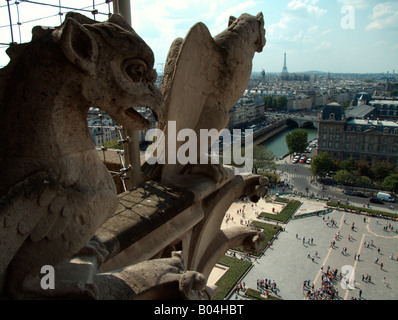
(337, 36)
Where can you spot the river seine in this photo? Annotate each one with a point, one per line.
(277, 144)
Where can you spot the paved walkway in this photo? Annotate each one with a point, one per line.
(287, 262)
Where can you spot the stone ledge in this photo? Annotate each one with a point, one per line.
(140, 212)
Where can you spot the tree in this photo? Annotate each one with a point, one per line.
(297, 140)
(348, 165)
(268, 102)
(322, 164)
(363, 168)
(343, 176)
(282, 102)
(363, 180)
(263, 160)
(391, 182)
(381, 170)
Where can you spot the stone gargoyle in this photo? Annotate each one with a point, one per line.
(55, 192)
(203, 79)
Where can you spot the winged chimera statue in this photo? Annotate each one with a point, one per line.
(203, 79)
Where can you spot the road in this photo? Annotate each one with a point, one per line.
(300, 177)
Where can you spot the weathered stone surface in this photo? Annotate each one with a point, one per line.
(58, 204)
(139, 214)
(203, 79)
(55, 191)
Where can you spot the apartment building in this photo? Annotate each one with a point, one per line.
(361, 139)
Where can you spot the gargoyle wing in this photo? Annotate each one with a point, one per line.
(21, 211)
(35, 208)
(191, 75)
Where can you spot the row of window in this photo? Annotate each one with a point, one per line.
(357, 147)
(386, 106)
(359, 128)
(359, 138)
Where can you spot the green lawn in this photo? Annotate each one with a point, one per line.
(228, 281)
(237, 268)
(286, 213)
(256, 295)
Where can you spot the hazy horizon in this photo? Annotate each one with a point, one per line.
(337, 36)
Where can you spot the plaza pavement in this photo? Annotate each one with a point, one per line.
(287, 263)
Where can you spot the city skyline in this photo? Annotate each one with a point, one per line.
(339, 36)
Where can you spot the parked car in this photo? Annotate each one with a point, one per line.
(385, 197)
(303, 158)
(296, 159)
(375, 200)
(309, 160)
(359, 194)
(348, 192)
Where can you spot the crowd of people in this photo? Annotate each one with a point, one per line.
(331, 278)
(327, 291)
(265, 285)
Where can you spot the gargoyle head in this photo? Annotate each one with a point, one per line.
(257, 28)
(117, 66)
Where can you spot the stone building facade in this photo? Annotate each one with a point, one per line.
(362, 139)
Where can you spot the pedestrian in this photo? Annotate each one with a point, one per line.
(381, 265)
(360, 293)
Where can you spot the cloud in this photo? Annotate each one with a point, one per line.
(297, 22)
(384, 16)
(160, 22)
(313, 29)
(305, 8)
(327, 31)
(357, 4)
(324, 45)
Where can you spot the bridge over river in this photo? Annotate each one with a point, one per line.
(285, 122)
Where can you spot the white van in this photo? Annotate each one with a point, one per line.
(385, 197)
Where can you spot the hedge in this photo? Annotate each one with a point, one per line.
(367, 210)
(237, 268)
(285, 214)
(254, 294)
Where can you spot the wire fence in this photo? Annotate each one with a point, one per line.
(17, 18)
(118, 146)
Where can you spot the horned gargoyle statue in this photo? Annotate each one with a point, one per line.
(55, 192)
(203, 79)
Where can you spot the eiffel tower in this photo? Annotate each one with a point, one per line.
(284, 70)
